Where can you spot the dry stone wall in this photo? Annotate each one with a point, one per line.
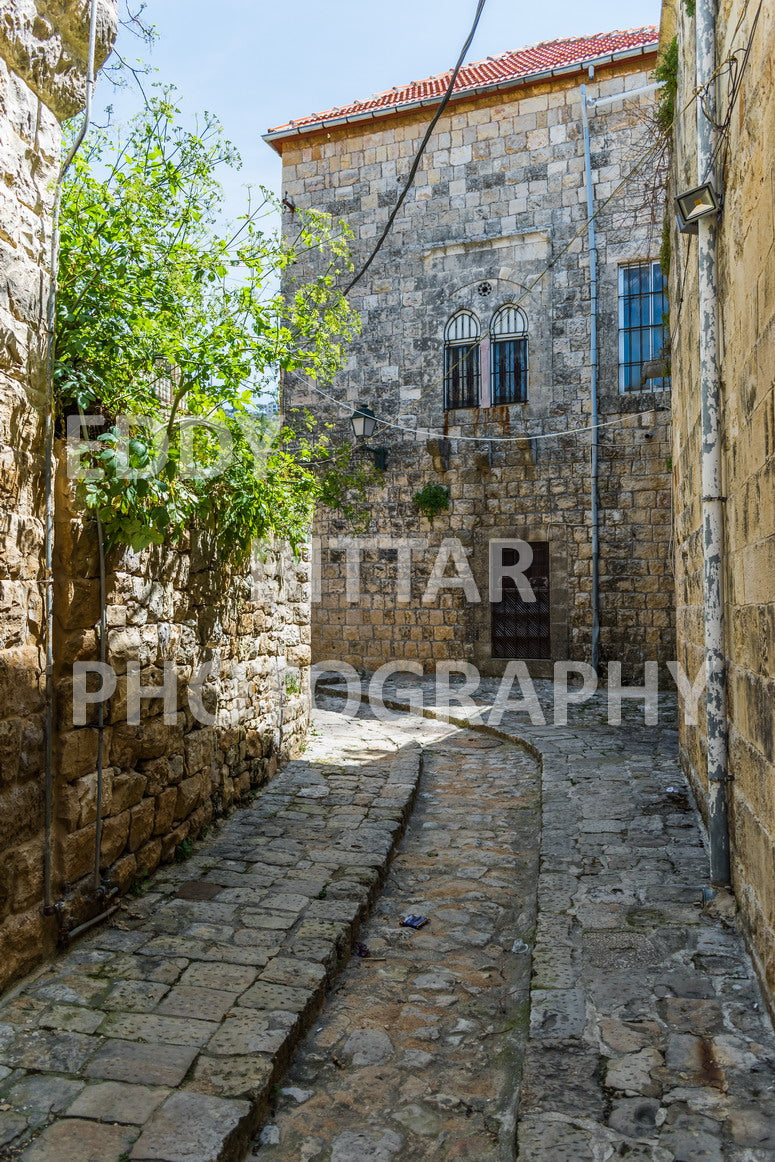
(496, 215)
(162, 781)
(747, 330)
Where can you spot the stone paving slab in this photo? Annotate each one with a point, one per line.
(649, 1038)
(416, 1052)
(160, 1037)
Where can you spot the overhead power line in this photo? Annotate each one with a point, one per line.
(525, 437)
(419, 155)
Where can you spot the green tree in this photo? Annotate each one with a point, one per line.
(162, 313)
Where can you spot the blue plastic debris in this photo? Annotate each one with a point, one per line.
(414, 921)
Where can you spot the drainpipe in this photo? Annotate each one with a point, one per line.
(593, 347)
(593, 376)
(712, 492)
(48, 481)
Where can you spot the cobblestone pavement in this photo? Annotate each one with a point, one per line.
(165, 1037)
(418, 1052)
(648, 1036)
(161, 1035)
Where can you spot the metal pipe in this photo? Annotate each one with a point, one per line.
(627, 93)
(67, 937)
(48, 479)
(712, 490)
(593, 385)
(100, 712)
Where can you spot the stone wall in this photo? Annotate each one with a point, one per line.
(162, 781)
(43, 49)
(224, 730)
(747, 330)
(498, 200)
(534, 493)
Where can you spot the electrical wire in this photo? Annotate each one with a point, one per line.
(528, 290)
(419, 155)
(490, 439)
(735, 88)
(656, 145)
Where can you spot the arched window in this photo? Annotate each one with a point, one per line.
(508, 356)
(461, 361)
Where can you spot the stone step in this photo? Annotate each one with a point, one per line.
(160, 1038)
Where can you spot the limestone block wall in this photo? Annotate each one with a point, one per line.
(497, 215)
(167, 777)
(536, 493)
(43, 49)
(747, 331)
(222, 731)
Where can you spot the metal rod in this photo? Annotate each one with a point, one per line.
(48, 482)
(593, 387)
(625, 94)
(87, 924)
(712, 490)
(100, 712)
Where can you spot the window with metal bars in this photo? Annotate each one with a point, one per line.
(462, 375)
(522, 629)
(508, 356)
(642, 329)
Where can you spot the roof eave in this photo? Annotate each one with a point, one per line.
(490, 87)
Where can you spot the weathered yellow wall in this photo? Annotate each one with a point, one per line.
(747, 334)
(43, 50)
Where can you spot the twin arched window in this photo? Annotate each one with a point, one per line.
(500, 357)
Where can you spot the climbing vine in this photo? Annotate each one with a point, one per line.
(172, 337)
(667, 73)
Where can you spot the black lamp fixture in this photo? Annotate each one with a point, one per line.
(364, 424)
(699, 202)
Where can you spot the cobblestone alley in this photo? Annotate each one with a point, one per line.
(168, 1035)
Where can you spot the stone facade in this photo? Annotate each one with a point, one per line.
(496, 216)
(746, 309)
(162, 782)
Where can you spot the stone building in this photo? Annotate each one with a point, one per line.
(477, 352)
(66, 852)
(744, 312)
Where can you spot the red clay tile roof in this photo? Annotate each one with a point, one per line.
(497, 71)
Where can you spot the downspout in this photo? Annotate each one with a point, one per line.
(593, 382)
(48, 479)
(712, 492)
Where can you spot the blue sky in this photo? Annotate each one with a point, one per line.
(257, 64)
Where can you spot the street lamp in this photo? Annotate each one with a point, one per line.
(364, 424)
(363, 421)
(699, 202)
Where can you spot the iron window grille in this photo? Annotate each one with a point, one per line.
(642, 328)
(522, 629)
(508, 356)
(462, 374)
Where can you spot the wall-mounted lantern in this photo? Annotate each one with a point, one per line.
(696, 203)
(364, 424)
